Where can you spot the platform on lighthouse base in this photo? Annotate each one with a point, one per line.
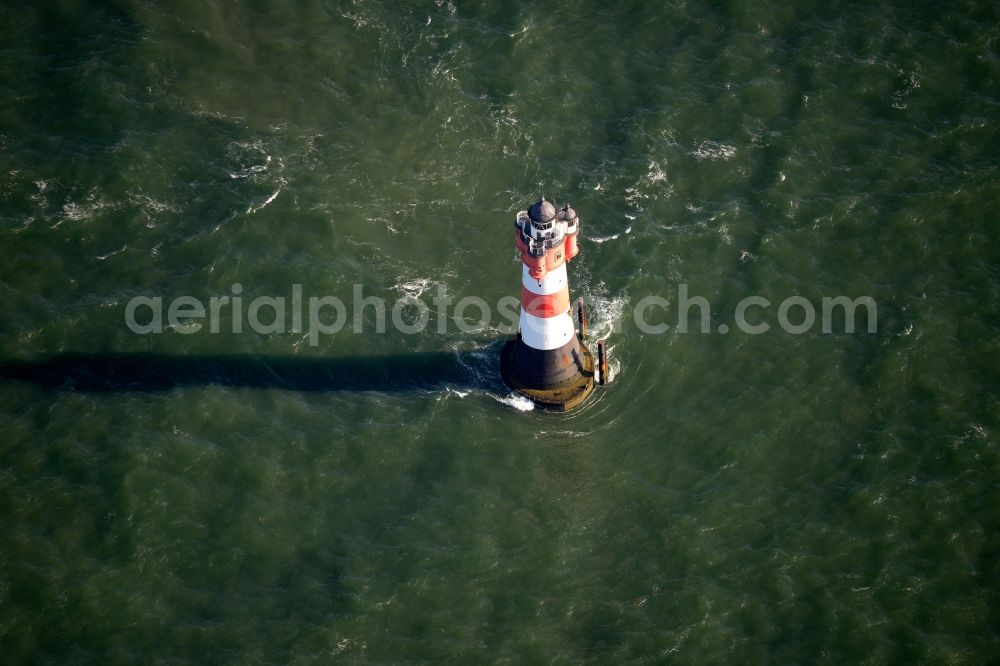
(560, 397)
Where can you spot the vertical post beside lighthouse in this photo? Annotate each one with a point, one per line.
(546, 361)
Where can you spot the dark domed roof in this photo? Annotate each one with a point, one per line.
(542, 211)
(567, 214)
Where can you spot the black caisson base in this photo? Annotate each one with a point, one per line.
(557, 379)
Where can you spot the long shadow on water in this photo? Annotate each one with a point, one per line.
(162, 372)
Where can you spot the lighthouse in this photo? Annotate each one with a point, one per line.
(547, 360)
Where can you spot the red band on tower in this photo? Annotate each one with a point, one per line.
(544, 305)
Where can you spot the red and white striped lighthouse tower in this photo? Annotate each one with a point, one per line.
(547, 361)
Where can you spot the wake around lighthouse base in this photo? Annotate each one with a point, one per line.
(547, 361)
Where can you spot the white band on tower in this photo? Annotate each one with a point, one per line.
(550, 283)
(546, 332)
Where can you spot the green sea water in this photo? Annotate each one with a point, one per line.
(199, 497)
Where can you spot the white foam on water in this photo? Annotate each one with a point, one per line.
(149, 204)
(448, 392)
(521, 34)
(515, 401)
(253, 208)
(654, 184)
(447, 4)
(111, 254)
(605, 239)
(726, 236)
(74, 211)
(900, 97)
(714, 150)
(569, 434)
(614, 365)
(656, 173)
(414, 288)
(251, 170)
(602, 315)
